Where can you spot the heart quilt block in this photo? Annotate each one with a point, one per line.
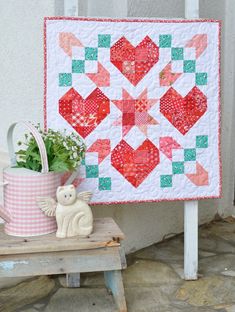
(183, 112)
(84, 115)
(135, 165)
(134, 62)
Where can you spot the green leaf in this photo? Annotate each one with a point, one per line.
(35, 156)
(20, 152)
(59, 148)
(58, 166)
(63, 156)
(20, 164)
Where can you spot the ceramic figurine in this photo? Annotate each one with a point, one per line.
(73, 215)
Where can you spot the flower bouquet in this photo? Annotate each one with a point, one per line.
(64, 152)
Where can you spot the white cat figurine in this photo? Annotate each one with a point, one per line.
(73, 215)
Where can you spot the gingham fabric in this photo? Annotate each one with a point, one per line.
(22, 187)
(26, 218)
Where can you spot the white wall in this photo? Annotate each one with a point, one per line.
(21, 81)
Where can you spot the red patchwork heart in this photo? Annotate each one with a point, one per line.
(134, 62)
(84, 115)
(183, 112)
(135, 165)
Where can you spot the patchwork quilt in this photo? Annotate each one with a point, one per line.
(144, 96)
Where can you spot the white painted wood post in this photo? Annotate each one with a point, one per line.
(190, 240)
(191, 9)
(71, 9)
(191, 207)
(107, 8)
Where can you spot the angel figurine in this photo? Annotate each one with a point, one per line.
(73, 215)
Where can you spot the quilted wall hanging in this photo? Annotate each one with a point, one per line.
(144, 96)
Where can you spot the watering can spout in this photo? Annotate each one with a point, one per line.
(4, 214)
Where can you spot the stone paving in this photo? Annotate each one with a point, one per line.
(153, 281)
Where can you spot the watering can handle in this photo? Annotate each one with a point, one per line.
(37, 137)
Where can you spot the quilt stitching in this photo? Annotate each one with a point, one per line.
(183, 112)
(184, 161)
(183, 60)
(135, 165)
(92, 172)
(135, 112)
(84, 115)
(134, 62)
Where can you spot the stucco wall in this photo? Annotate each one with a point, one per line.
(21, 92)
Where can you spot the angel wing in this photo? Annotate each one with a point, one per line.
(47, 205)
(86, 196)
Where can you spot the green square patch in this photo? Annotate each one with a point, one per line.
(65, 80)
(92, 171)
(78, 66)
(201, 141)
(165, 41)
(83, 162)
(104, 41)
(189, 66)
(177, 54)
(178, 167)
(91, 54)
(190, 154)
(166, 180)
(104, 184)
(201, 79)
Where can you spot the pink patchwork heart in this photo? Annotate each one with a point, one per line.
(134, 62)
(183, 112)
(84, 115)
(135, 165)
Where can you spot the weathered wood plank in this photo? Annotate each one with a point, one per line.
(122, 257)
(106, 233)
(60, 262)
(29, 247)
(113, 281)
(73, 280)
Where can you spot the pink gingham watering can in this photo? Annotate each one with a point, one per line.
(21, 186)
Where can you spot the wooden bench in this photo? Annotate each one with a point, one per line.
(47, 255)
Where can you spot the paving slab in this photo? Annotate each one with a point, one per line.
(218, 264)
(25, 293)
(149, 273)
(209, 291)
(81, 300)
(87, 280)
(6, 282)
(222, 229)
(169, 251)
(217, 237)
